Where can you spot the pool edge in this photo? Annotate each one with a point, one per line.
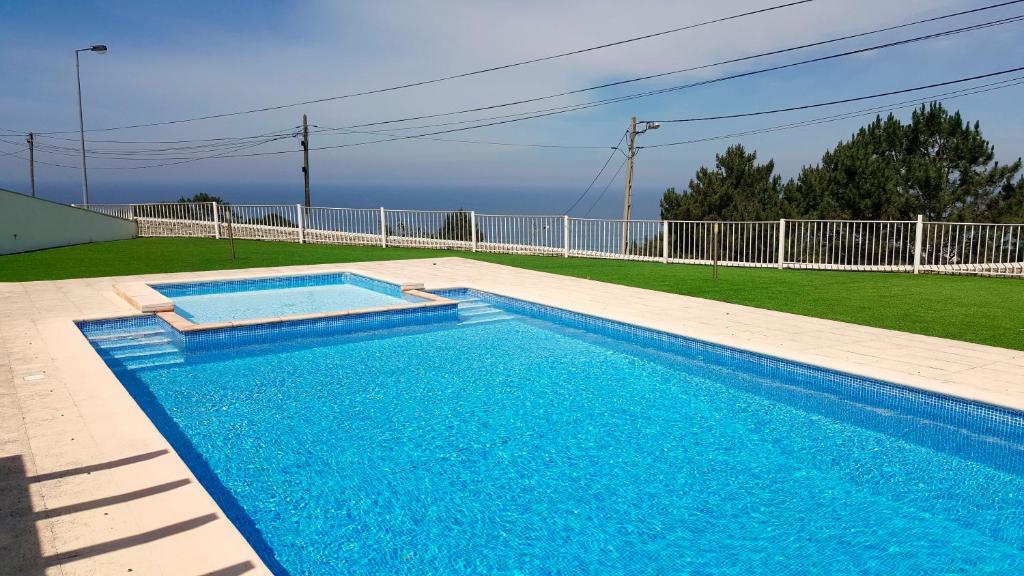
(451, 272)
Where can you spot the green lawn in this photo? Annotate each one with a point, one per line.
(983, 310)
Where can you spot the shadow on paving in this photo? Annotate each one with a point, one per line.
(21, 551)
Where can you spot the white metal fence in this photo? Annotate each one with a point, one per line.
(886, 246)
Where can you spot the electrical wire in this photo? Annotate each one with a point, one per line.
(821, 120)
(605, 190)
(449, 77)
(51, 136)
(562, 110)
(484, 142)
(846, 115)
(230, 154)
(598, 175)
(527, 115)
(182, 161)
(834, 102)
(682, 70)
(141, 157)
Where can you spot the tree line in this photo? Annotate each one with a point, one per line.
(937, 164)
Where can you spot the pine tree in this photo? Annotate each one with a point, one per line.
(938, 165)
(738, 188)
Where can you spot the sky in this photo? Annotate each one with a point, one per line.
(174, 60)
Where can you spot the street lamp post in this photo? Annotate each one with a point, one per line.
(100, 49)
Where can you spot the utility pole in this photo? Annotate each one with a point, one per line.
(305, 157)
(31, 162)
(627, 205)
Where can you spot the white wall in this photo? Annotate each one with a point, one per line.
(28, 223)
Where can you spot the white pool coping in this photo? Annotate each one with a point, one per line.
(107, 493)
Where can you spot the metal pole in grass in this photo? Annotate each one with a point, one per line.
(714, 248)
(229, 217)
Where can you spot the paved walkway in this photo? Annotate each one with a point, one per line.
(88, 486)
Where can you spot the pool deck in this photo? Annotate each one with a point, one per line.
(88, 485)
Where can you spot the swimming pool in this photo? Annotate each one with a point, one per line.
(224, 300)
(510, 438)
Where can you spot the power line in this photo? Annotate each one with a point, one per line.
(232, 144)
(183, 160)
(483, 142)
(821, 120)
(140, 156)
(598, 175)
(38, 161)
(209, 146)
(167, 153)
(560, 110)
(449, 77)
(538, 113)
(564, 109)
(649, 93)
(851, 114)
(50, 136)
(682, 70)
(229, 153)
(842, 101)
(605, 190)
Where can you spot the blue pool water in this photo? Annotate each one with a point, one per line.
(512, 440)
(218, 301)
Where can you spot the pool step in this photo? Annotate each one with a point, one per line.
(136, 351)
(137, 347)
(153, 361)
(476, 311)
(101, 335)
(130, 341)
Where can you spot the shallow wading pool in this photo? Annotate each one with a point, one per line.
(226, 300)
(504, 437)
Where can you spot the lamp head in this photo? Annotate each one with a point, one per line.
(100, 48)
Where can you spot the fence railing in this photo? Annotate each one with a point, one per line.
(543, 235)
(850, 245)
(885, 246)
(753, 244)
(973, 248)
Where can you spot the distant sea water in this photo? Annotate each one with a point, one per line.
(483, 199)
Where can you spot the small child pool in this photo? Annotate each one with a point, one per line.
(226, 300)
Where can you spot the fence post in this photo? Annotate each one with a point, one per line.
(782, 243)
(714, 251)
(301, 222)
(664, 241)
(131, 211)
(918, 237)
(472, 228)
(565, 236)
(216, 220)
(383, 229)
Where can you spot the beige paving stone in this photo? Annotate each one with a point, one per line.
(117, 497)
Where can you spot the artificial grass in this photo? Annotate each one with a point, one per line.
(973, 309)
